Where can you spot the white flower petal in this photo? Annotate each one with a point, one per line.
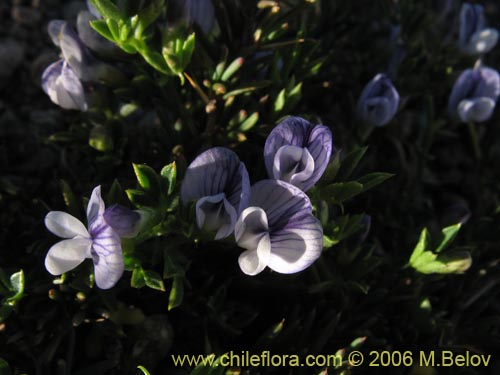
(64, 225)
(252, 233)
(66, 255)
(95, 206)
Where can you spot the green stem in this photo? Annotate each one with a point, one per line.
(474, 139)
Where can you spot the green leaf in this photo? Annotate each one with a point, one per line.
(146, 177)
(156, 60)
(169, 174)
(250, 122)
(176, 293)
(137, 280)
(373, 179)
(455, 262)
(154, 280)
(17, 286)
(100, 139)
(107, 9)
(280, 101)
(115, 193)
(143, 369)
(332, 169)
(4, 367)
(102, 28)
(422, 246)
(341, 191)
(139, 198)
(113, 28)
(232, 69)
(247, 88)
(350, 162)
(449, 234)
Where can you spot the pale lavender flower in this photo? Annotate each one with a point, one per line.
(219, 183)
(100, 243)
(278, 230)
(474, 37)
(474, 95)
(379, 101)
(298, 152)
(63, 87)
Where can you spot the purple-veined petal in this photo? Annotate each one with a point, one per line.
(123, 220)
(280, 200)
(95, 208)
(293, 164)
(67, 255)
(320, 146)
(300, 133)
(296, 246)
(54, 29)
(217, 170)
(65, 225)
(252, 233)
(476, 110)
(106, 253)
(215, 213)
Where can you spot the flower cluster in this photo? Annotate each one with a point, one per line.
(475, 92)
(272, 219)
(100, 242)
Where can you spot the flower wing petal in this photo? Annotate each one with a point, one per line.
(65, 225)
(476, 110)
(297, 245)
(66, 255)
